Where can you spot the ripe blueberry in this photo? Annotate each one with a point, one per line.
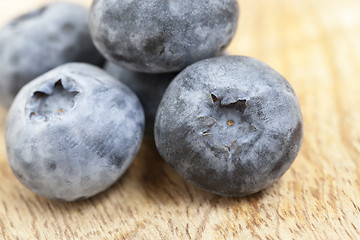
(148, 87)
(40, 40)
(230, 125)
(72, 132)
(162, 36)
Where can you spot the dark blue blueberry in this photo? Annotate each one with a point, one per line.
(66, 135)
(36, 42)
(148, 87)
(162, 36)
(230, 125)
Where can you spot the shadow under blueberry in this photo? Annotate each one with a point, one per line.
(162, 185)
(151, 178)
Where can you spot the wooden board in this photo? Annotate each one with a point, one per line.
(315, 45)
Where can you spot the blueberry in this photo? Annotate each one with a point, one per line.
(40, 40)
(230, 125)
(162, 36)
(148, 87)
(72, 132)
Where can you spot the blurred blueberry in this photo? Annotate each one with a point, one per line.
(38, 41)
(148, 87)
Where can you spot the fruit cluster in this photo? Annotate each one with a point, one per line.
(230, 125)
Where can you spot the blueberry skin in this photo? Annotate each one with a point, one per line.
(72, 132)
(38, 41)
(162, 36)
(148, 87)
(230, 125)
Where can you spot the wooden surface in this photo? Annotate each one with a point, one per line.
(315, 44)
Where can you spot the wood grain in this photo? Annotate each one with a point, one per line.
(315, 45)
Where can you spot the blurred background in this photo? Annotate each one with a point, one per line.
(315, 45)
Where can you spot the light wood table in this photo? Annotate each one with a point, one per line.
(316, 46)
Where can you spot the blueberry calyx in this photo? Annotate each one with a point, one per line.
(226, 118)
(55, 101)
